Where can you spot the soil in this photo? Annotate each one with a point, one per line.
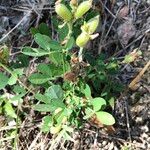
(125, 27)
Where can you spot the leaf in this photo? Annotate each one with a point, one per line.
(62, 32)
(56, 103)
(62, 116)
(46, 43)
(55, 92)
(87, 91)
(9, 110)
(14, 76)
(56, 70)
(54, 45)
(89, 113)
(45, 69)
(13, 79)
(42, 98)
(70, 43)
(34, 31)
(98, 103)
(19, 90)
(105, 118)
(35, 52)
(21, 61)
(56, 58)
(37, 78)
(44, 29)
(44, 107)
(112, 102)
(43, 41)
(47, 122)
(3, 80)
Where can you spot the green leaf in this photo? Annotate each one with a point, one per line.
(43, 41)
(46, 43)
(98, 103)
(89, 113)
(17, 98)
(34, 31)
(56, 103)
(44, 107)
(44, 29)
(70, 43)
(54, 45)
(87, 91)
(13, 79)
(21, 61)
(35, 52)
(64, 113)
(9, 110)
(14, 76)
(62, 32)
(37, 78)
(3, 80)
(19, 90)
(45, 69)
(105, 118)
(47, 122)
(54, 92)
(42, 98)
(112, 102)
(56, 58)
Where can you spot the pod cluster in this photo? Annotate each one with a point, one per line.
(88, 28)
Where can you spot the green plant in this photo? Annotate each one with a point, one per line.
(70, 101)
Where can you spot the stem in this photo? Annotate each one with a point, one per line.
(70, 30)
(80, 54)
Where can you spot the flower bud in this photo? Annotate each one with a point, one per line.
(83, 8)
(82, 39)
(63, 12)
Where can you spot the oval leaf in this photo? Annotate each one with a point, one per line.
(54, 92)
(105, 118)
(37, 78)
(35, 52)
(98, 103)
(43, 41)
(3, 80)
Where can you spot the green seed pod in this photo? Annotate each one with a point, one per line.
(83, 8)
(93, 24)
(63, 12)
(82, 39)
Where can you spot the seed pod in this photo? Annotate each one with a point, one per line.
(63, 11)
(83, 8)
(82, 39)
(93, 24)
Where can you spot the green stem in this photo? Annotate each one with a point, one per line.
(70, 30)
(80, 54)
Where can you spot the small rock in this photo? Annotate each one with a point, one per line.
(126, 31)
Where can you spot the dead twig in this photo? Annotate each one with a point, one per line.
(132, 85)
